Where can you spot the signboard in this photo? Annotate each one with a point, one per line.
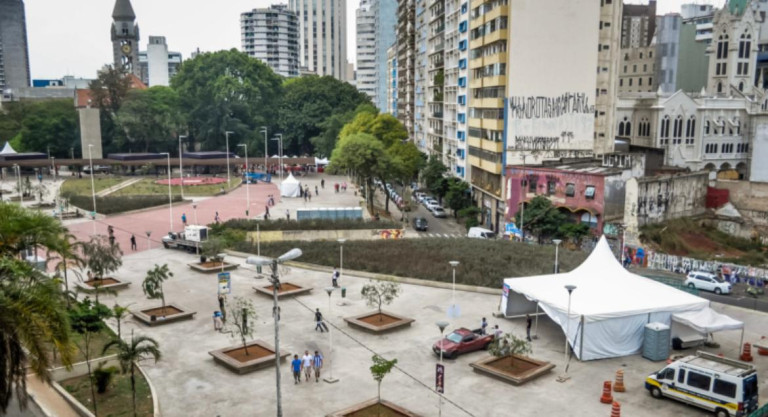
(439, 378)
(511, 229)
(225, 283)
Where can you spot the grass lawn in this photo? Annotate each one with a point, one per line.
(82, 186)
(482, 262)
(117, 401)
(98, 341)
(147, 186)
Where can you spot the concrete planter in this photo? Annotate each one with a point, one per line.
(366, 404)
(197, 266)
(521, 369)
(263, 357)
(287, 289)
(173, 313)
(108, 284)
(370, 322)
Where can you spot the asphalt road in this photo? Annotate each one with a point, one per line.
(441, 227)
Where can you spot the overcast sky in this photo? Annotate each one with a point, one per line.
(72, 37)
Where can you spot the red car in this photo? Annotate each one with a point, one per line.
(462, 341)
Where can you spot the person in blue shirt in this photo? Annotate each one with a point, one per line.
(296, 368)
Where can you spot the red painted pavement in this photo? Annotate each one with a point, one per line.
(229, 206)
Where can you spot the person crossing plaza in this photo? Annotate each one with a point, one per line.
(317, 364)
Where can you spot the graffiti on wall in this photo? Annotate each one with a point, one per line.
(550, 107)
(391, 233)
(673, 263)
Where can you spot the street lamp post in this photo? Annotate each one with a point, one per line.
(341, 264)
(194, 208)
(170, 194)
(275, 280)
(279, 139)
(181, 167)
(247, 182)
(93, 187)
(442, 325)
(570, 289)
(17, 168)
(557, 243)
(522, 203)
(330, 379)
(264, 131)
(227, 133)
(453, 311)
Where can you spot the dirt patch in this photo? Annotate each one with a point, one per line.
(101, 282)
(284, 287)
(513, 366)
(380, 319)
(162, 311)
(254, 352)
(211, 264)
(376, 410)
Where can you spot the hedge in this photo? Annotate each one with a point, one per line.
(118, 204)
(482, 262)
(314, 224)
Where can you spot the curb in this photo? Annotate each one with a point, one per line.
(155, 401)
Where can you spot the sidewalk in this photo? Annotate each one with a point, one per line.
(49, 400)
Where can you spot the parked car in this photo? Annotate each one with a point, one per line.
(431, 204)
(707, 282)
(462, 341)
(420, 224)
(481, 233)
(438, 211)
(426, 201)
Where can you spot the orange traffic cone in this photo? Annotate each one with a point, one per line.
(606, 398)
(616, 409)
(762, 351)
(746, 353)
(618, 386)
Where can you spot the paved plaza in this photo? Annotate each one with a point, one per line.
(189, 383)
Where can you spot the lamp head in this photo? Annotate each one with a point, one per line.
(570, 288)
(221, 255)
(442, 325)
(341, 241)
(329, 290)
(291, 254)
(230, 132)
(258, 260)
(454, 264)
(557, 242)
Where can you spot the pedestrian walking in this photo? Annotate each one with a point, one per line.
(344, 186)
(335, 277)
(266, 214)
(528, 322)
(216, 217)
(336, 187)
(306, 364)
(322, 183)
(222, 301)
(316, 193)
(317, 364)
(497, 332)
(288, 214)
(319, 324)
(296, 368)
(309, 195)
(483, 326)
(184, 219)
(218, 324)
(133, 242)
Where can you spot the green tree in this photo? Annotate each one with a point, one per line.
(541, 217)
(509, 344)
(139, 349)
(307, 103)
(212, 248)
(153, 283)
(227, 91)
(242, 320)
(108, 91)
(87, 319)
(458, 196)
(150, 119)
(119, 313)
(433, 172)
(101, 258)
(50, 125)
(574, 231)
(364, 155)
(380, 368)
(380, 293)
(470, 215)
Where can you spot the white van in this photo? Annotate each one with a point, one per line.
(724, 386)
(481, 233)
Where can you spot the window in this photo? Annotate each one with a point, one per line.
(724, 388)
(697, 380)
(745, 45)
(719, 87)
(634, 68)
(641, 55)
(589, 193)
(650, 54)
(640, 81)
(532, 184)
(706, 127)
(665, 130)
(681, 375)
(710, 148)
(551, 187)
(621, 82)
(667, 373)
(570, 190)
(690, 130)
(630, 82)
(645, 66)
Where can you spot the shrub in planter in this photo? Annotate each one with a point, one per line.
(103, 376)
(119, 204)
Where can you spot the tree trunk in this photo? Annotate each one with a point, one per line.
(90, 374)
(66, 281)
(245, 345)
(133, 388)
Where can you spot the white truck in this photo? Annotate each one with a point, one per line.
(190, 239)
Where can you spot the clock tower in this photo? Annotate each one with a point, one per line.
(125, 37)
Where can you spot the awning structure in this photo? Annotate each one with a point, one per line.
(290, 187)
(707, 321)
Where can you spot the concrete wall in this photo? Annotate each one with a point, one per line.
(310, 235)
(90, 132)
(759, 171)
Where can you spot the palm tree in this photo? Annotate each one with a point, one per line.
(140, 348)
(67, 258)
(119, 312)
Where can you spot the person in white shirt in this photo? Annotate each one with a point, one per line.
(306, 362)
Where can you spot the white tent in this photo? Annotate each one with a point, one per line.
(609, 307)
(7, 149)
(321, 161)
(290, 187)
(699, 324)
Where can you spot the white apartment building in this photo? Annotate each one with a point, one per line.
(376, 20)
(322, 37)
(157, 65)
(271, 35)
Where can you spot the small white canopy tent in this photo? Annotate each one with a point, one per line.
(290, 187)
(7, 149)
(704, 322)
(609, 307)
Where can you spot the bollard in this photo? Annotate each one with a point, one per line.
(618, 386)
(606, 398)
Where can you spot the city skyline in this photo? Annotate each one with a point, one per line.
(80, 49)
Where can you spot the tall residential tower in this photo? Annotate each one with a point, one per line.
(376, 20)
(14, 55)
(322, 36)
(272, 36)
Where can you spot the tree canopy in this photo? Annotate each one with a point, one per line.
(150, 119)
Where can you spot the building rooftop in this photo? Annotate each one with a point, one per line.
(123, 10)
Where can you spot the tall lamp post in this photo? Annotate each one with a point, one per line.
(264, 131)
(453, 310)
(442, 325)
(247, 182)
(194, 208)
(341, 265)
(522, 203)
(181, 167)
(226, 134)
(557, 243)
(275, 281)
(570, 289)
(170, 195)
(330, 379)
(93, 187)
(17, 169)
(279, 138)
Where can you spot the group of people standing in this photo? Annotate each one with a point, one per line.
(309, 363)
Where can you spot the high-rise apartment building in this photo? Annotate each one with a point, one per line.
(376, 21)
(125, 37)
(406, 63)
(157, 65)
(392, 80)
(271, 35)
(608, 61)
(638, 24)
(322, 36)
(14, 53)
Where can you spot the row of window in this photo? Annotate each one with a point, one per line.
(486, 7)
(480, 113)
(726, 148)
(484, 154)
(490, 70)
(570, 188)
(645, 67)
(492, 92)
(498, 23)
(490, 49)
(639, 81)
(487, 134)
(701, 381)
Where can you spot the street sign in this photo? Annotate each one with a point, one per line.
(225, 283)
(439, 378)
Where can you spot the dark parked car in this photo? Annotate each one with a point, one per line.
(462, 341)
(420, 224)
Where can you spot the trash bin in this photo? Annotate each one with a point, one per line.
(258, 269)
(343, 292)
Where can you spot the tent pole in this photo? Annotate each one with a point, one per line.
(536, 328)
(581, 342)
(741, 341)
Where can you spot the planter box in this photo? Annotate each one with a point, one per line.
(287, 289)
(370, 322)
(520, 370)
(263, 356)
(395, 410)
(109, 284)
(209, 267)
(173, 313)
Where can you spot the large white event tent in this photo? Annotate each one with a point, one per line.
(290, 187)
(609, 307)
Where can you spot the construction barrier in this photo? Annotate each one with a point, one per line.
(606, 398)
(746, 353)
(616, 409)
(618, 386)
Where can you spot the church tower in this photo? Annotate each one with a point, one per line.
(125, 37)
